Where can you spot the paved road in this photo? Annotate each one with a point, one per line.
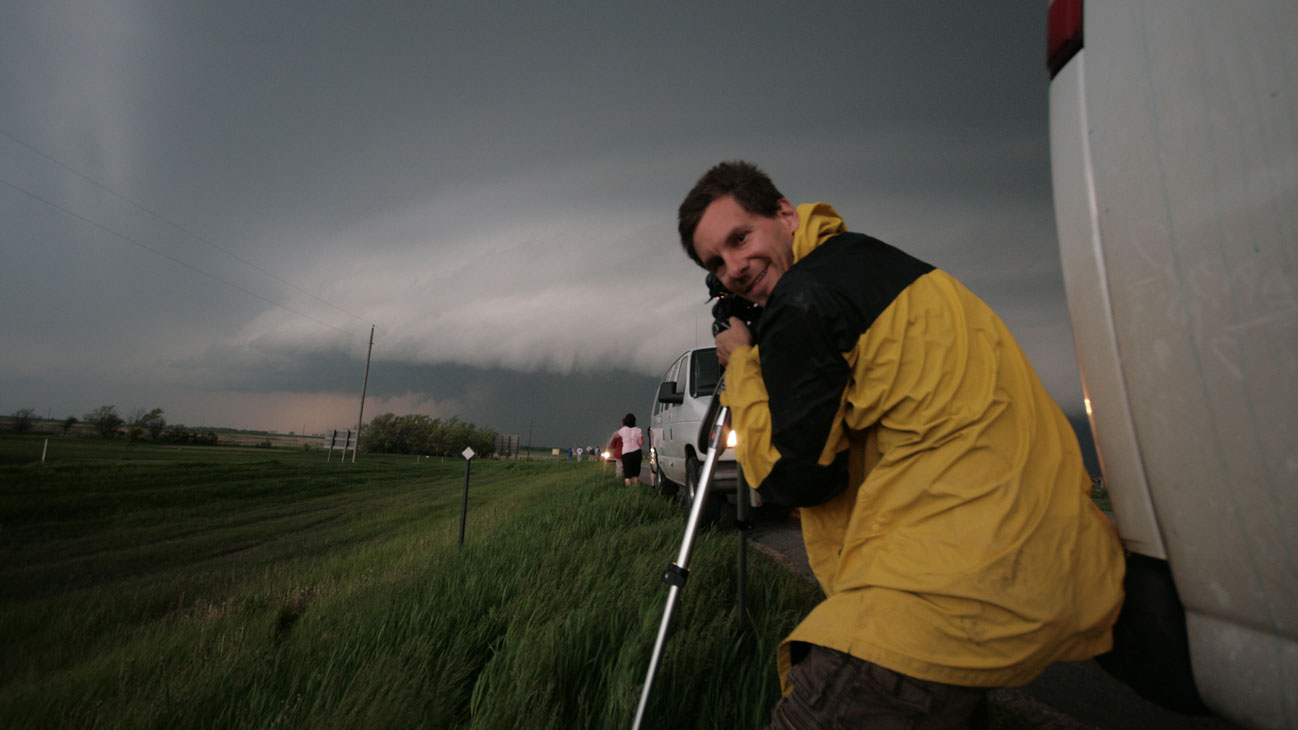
(1068, 696)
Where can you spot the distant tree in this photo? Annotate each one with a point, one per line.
(153, 423)
(436, 442)
(380, 435)
(24, 419)
(135, 425)
(178, 434)
(105, 420)
(419, 434)
(484, 440)
(68, 423)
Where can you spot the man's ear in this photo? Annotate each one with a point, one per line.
(787, 213)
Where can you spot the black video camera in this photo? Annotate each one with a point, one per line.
(729, 305)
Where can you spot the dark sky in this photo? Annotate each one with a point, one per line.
(205, 205)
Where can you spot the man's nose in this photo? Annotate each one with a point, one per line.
(736, 269)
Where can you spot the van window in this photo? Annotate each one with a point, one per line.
(705, 373)
(673, 375)
(659, 406)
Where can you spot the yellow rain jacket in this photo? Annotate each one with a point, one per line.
(945, 508)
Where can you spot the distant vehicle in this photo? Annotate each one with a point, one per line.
(1174, 148)
(678, 435)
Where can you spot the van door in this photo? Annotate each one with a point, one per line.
(669, 452)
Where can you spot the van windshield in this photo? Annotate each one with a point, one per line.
(705, 373)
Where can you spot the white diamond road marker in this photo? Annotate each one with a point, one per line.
(468, 452)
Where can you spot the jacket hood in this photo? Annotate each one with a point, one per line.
(819, 223)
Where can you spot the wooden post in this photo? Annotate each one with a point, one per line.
(364, 383)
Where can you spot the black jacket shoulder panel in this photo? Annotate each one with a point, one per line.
(864, 273)
(817, 312)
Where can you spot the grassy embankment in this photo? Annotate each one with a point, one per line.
(204, 587)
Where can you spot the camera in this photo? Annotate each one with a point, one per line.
(729, 305)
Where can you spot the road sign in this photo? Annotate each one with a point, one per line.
(464, 505)
(506, 445)
(341, 438)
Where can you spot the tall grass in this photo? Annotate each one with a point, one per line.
(159, 591)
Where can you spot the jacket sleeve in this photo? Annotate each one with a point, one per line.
(784, 402)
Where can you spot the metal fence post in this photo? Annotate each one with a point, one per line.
(464, 505)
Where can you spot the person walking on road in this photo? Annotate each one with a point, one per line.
(632, 439)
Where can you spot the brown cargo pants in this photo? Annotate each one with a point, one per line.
(836, 691)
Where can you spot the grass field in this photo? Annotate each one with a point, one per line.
(213, 587)
(220, 588)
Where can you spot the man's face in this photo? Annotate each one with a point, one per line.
(748, 253)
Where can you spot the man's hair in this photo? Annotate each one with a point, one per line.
(748, 185)
(629, 420)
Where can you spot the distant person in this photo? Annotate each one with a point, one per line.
(631, 442)
(945, 509)
(578, 453)
(613, 451)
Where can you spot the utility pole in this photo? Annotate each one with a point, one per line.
(364, 383)
(529, 440)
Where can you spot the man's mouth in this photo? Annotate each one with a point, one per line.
(756, 280)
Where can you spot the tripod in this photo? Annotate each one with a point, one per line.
(676, 573)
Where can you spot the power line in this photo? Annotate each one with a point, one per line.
(167, 256)
(175, 225)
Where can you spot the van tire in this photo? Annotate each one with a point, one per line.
(662, 485)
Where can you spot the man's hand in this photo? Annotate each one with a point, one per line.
(732, 339)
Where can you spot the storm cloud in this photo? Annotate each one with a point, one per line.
(206, 206)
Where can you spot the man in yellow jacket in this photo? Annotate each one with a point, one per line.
(945, 508)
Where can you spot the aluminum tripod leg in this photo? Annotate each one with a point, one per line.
(677, 572)
(742, 526)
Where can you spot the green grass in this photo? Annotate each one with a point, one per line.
(151, 587)
(213, 587)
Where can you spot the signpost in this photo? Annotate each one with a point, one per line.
(464, 507)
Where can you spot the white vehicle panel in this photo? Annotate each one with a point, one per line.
(1082, 258)
(1190, 113)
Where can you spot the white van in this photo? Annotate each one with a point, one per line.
(678, 434)
(1174, 154)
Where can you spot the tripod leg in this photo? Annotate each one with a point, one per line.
(676, 573)
(742, 525)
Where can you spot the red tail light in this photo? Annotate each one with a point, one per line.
(1063, 33)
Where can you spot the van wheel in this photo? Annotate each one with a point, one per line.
(711, 513)
(663, 486)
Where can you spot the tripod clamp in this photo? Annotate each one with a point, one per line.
(675, 575)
